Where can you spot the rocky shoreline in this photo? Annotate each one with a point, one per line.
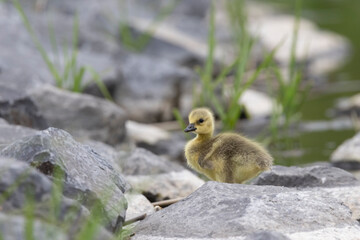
(74, 162)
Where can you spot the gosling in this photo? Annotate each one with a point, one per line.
(226, 157)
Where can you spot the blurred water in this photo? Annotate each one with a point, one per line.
(342, 17)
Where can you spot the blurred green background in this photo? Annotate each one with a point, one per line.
(342, 17)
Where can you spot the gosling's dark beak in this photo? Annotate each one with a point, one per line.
(191, 127)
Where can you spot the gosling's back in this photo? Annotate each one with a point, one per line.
(228, 158)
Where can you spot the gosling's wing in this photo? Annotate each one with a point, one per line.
(241, 150)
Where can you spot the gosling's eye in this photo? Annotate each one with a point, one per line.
(201, 120)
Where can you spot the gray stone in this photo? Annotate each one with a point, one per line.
(82, 115)
(109, 153)
(88, 176)
(316, 176)
(22, 112)
(3, 122)
(137, 205)
(149, 91)
(144, 162)
(347, 155)
(229, 211)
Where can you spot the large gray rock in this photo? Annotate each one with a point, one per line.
(87, 176)
(316, 176)
(228, 211)
(84, 116)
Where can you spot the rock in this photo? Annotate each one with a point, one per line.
(82, 115)
(316, 176)
(109, 153)
(349, 196)
(257, 104)
(149, 92)
(3, 122)
(88, 176)
(144, 162)
(10, 133)
(145, 133)
(21, 183)
(229, 211)
(137, 205)
(22, 112)
(9, 94)
(349, 106)
(14, 227)
(347, 155)
(157, 178)
(166, 185)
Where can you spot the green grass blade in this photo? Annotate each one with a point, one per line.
(57, 193)
(208, 70)
(102, 87)
(78, 78)
(292, 65)
(29, 212)
(37, 43)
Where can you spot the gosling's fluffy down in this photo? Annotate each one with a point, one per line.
(227, 157)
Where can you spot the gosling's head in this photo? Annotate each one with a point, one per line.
(201, 121)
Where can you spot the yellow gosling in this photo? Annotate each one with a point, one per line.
(226, 157)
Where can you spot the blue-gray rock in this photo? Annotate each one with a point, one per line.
(87, 176)
(228, 211)
(298, 177)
